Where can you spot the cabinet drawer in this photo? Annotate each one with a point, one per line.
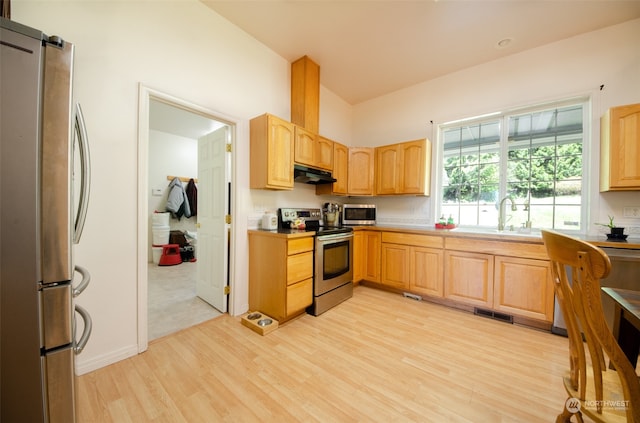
(299, 245)
(413, 239)
(299, 296)
(299, 266)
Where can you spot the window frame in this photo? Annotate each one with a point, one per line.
(503, 118)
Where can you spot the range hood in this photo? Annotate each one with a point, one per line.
(313, 176)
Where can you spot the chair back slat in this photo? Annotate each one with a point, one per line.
(576, 269)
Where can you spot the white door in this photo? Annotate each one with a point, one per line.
(213, 234)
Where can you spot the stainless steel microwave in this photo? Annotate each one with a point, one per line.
(359, 214)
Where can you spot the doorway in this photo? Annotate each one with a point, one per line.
(174, 137)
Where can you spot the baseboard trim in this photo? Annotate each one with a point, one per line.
(86, 366)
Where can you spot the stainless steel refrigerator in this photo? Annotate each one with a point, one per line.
(41, 217)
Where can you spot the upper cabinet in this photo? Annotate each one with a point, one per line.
(305, 146)
(404, 168)
(271, 152)
(340, 172)
(305, 94)
(361, 168)
(620, 149)
(324, 153)
(312, 149)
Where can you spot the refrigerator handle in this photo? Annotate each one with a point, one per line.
(86, 332)
(85, 180)
(86, 278)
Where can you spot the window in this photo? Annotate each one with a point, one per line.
(530, 161)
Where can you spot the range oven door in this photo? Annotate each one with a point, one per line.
(333, 262)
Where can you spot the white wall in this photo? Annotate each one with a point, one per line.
(169, 155)
(575, 66)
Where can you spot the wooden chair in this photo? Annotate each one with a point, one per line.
(602, 394)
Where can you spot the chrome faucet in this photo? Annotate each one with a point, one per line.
(502, 211)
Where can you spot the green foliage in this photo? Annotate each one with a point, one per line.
(539, 171)
(608, 225)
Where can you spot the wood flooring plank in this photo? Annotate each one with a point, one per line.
(377, 357)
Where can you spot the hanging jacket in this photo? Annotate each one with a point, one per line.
(192, 196)
(177, 202)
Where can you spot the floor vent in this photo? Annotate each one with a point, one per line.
(493, 315)
(412, 296)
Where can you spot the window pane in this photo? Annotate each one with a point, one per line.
(567, 217)
(543, 163)
(468, 215)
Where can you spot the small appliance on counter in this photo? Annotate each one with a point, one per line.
(359, 214)
(331, 214)
(269, 222)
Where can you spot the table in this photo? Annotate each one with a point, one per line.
(626, 321)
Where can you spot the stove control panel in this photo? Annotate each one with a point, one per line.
(307, 215)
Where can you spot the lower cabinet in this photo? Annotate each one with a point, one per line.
(469, 277)
(512, 285)
(359, 253)
(280, 274)
(523, 287)
(412, 262)
(394, 260)
(507, 277)
(366, 256)
(426, 274)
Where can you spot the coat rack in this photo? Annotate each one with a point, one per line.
(182, 178)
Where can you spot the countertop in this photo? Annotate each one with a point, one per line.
(283, 233)
(532, 237)
(512, 236)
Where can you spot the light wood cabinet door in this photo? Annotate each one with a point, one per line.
(387, 169)
(324, 153)
(426, 271)
(340, 168)
(340, 172)
(395, 265)
(523, 287)
(361, 168)
(305, 94)
(620, 149)
(271, 153)
(469, 278)
(359, 253)
(415, 167)
(305, 147)
(371, 265)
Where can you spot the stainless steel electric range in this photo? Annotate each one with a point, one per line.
(333, 257)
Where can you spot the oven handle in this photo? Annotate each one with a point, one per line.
(334, 237)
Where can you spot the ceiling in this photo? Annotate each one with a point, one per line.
(174, 120)
(366, 49)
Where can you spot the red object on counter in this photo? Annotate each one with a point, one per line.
(447, 226)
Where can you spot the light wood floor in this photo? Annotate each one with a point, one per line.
(378, 357)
